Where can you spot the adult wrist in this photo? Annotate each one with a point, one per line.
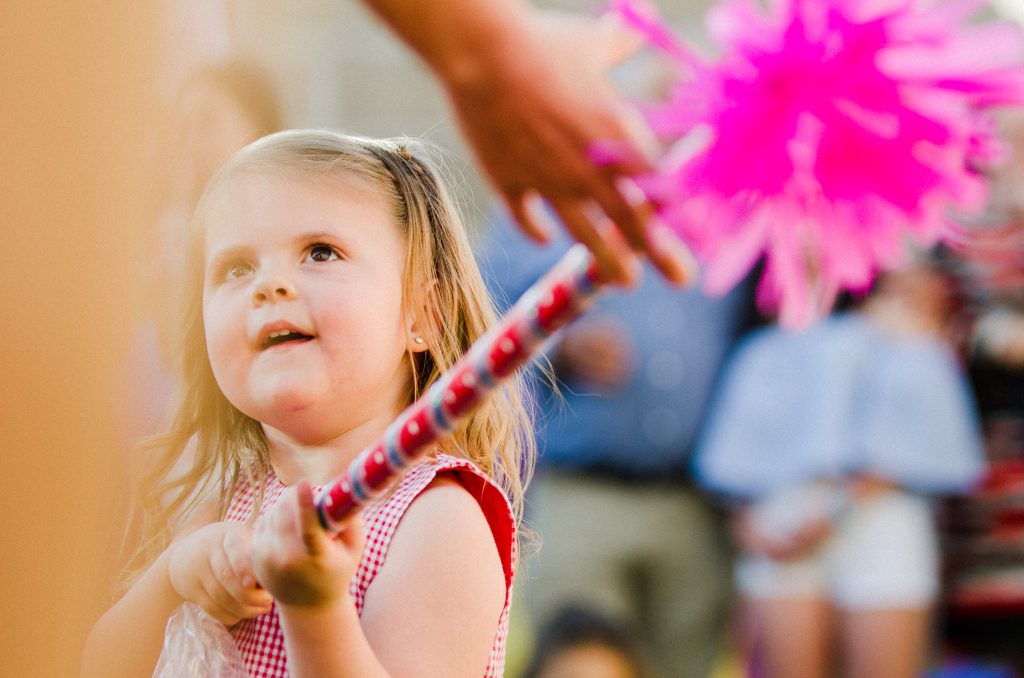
(472, 53)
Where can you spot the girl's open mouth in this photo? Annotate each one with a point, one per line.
(283, 337)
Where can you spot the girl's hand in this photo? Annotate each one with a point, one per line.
(212, 567)
(297, 560)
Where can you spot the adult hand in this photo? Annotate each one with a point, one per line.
(532, 115)
(212, 567)
(531, 94)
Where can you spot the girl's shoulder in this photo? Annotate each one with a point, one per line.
(444, 470)
(482, 487)
(441, 495)
(439, 553)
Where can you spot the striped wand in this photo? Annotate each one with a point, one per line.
(552, 302)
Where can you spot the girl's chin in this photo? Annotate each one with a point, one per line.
(283, 405)
(292, 404)
(301, 430)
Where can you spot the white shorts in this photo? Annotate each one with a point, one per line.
(883, 554)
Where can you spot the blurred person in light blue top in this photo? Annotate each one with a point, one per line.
(842, 397)
(829, 441)
(623, 529)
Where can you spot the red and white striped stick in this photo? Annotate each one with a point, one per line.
(557, 298)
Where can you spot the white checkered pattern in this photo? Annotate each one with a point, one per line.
(261, 640)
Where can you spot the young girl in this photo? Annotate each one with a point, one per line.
(333, 282)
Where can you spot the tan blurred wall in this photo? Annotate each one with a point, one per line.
(75, 89)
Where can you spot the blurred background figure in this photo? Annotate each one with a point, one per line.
(579, 643)
(622, 527)
(830, 444)
(219, 108)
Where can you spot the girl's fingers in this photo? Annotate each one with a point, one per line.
(238, 551)
(310, 530)
(238, 577)
(237, 601)
(292, 524)
(216, 601)
(352, 535)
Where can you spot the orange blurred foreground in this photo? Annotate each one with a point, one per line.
(77, 83)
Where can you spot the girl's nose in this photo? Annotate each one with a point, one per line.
(273, 288)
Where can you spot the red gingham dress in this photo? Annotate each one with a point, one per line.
(260, 639)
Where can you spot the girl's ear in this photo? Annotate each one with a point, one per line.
(423, 318)
(416, 343)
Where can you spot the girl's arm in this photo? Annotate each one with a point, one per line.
(434, 607)
(208, 565)
(128, 638)
(432, 610)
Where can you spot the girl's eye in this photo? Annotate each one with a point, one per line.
(237, 269)
(322, 252)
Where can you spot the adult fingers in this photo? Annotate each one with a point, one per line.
(670, 256)
(613, 41)
(639, 149)
(581, 220)
(627, 207)
(528, 211)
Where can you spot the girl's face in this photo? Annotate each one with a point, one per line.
(302, 303)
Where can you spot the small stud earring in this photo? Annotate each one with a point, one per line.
(418, 339)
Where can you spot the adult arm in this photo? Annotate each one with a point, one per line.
(529, 90)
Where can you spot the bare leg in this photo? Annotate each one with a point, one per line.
(793, 637)
(890, 643)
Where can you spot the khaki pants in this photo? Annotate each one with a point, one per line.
(652, 556)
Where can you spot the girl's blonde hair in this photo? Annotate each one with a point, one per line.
(442, 287)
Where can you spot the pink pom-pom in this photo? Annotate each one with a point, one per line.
(827, 135)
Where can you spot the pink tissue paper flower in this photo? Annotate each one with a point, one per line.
(827, 135)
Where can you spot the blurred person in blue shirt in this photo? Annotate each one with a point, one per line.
(622, 527)
(829, 442)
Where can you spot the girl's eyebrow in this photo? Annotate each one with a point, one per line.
(332, 237)
(320, 234)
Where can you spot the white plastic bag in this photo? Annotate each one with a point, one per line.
(196, 644)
